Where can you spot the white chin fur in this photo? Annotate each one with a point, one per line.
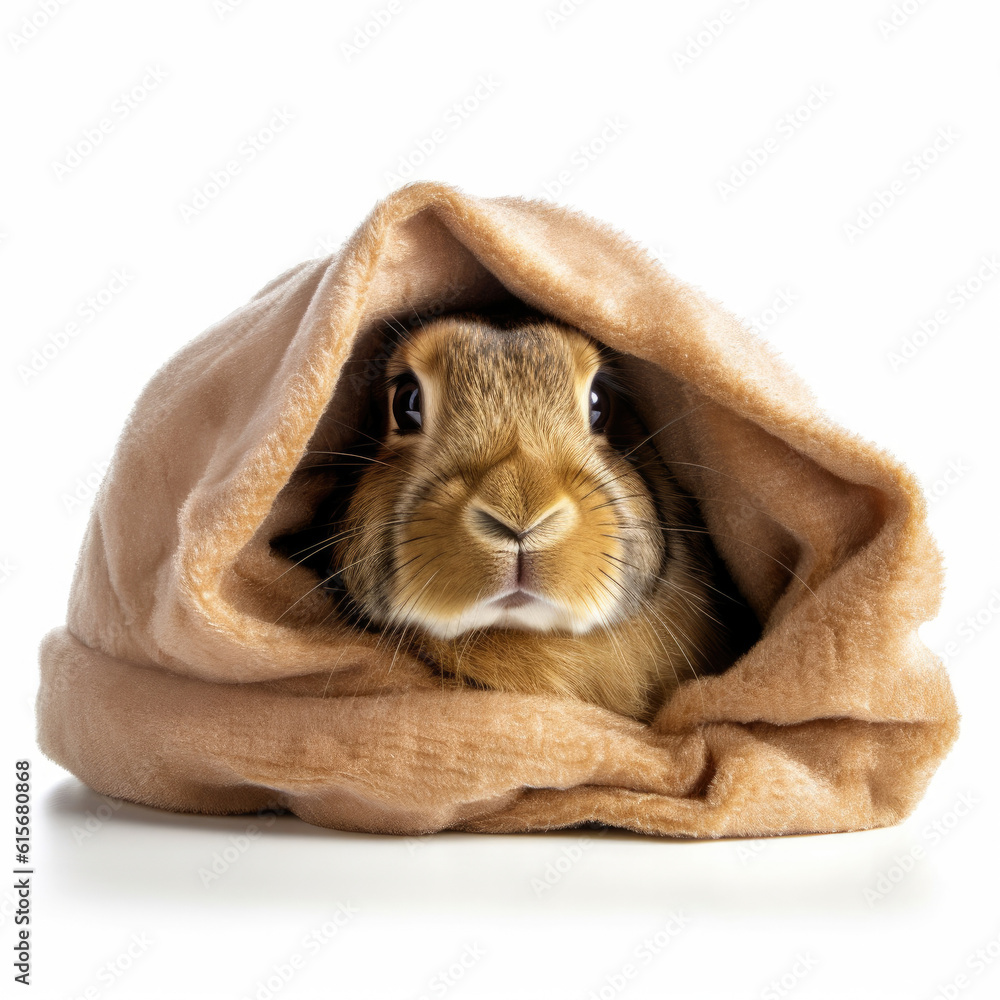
(538, 616)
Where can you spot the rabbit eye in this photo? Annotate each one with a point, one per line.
(600, 407)
(406, 406)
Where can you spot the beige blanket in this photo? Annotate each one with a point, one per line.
(181, 680)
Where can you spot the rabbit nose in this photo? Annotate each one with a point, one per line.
(537, 531)
(492, 525)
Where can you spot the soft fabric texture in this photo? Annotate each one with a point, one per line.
(199, 672)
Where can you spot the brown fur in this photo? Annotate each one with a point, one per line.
(508, 431)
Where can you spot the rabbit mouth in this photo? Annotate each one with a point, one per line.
(516, 608)
(515, 599)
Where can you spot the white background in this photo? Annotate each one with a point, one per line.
(758, 919)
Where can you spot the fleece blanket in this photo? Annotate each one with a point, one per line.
(200, 671)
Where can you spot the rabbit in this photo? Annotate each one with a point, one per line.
(513, 524)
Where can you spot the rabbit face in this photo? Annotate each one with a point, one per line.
(504, 495)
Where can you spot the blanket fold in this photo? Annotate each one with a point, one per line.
(200, 671)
